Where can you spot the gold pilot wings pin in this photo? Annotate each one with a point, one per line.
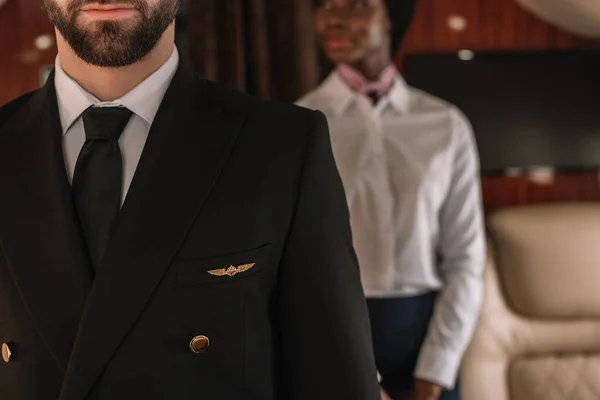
(231, 271)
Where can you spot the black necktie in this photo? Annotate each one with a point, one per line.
(98, 177)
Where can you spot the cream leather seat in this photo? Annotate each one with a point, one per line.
(538, 337)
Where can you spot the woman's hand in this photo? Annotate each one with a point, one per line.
(384, 395)
(424, 390)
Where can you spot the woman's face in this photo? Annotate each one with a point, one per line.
(352, 30)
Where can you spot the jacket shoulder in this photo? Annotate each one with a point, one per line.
(8, 110)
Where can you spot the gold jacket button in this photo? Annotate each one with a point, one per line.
(6, 352)
(199, 344)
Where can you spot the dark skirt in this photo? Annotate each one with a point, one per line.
(399, 327)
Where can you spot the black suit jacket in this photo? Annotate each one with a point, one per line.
(224, 180)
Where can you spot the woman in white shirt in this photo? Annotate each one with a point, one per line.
(411, 172)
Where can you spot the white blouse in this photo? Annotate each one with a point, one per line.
(411, 173)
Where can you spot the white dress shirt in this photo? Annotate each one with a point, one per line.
(411, 173)
(144, 101)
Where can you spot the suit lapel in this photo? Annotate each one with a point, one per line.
(39, 234)
(186, 149)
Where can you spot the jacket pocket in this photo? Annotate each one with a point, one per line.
(222, 268)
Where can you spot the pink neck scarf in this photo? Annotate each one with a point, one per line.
(358, 83)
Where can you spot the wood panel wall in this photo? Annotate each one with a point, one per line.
(502, 25)
(507, 191)
(21, 22)
(492, 25)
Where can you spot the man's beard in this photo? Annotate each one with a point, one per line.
(113, 43)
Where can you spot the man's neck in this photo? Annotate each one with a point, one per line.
(109, 84)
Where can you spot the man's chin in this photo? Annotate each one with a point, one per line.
(108, 60)
(102, 50)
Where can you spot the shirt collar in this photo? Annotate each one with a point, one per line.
(144, 100)
(337, 94)
(342, 97)
(358, 83)
(399, 95)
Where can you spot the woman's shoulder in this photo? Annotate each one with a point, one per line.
(321, 97)
(311, 99)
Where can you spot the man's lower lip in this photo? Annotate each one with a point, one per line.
(109, 14)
